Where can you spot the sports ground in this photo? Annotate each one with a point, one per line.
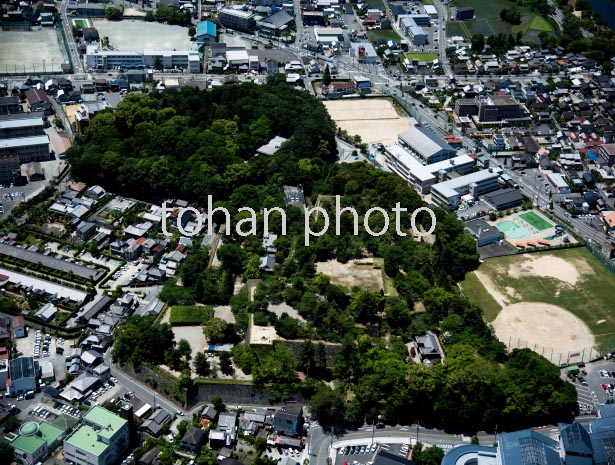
(559, 300)
(36, 51)
(374, 119)
(488, 20)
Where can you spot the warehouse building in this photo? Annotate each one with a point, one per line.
(504, 199)
(424, 145)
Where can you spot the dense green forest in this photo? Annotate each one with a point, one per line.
(192, 143)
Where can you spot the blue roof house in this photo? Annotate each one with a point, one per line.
(206, 33)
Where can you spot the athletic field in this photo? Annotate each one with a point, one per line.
(488, 20)
(536, 221)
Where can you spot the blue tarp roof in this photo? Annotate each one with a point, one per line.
(592, 156)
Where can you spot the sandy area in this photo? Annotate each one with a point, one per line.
(283, 307)
(540, 326)
(224, 312)
(193, 334)
(352, 274)
(374, 119)
(550, 267)
(263, 335)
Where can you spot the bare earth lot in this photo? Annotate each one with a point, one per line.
(558, 303)
(31, 51)
(352, 274)
(374, 119)
(542, 325)
(139, 35)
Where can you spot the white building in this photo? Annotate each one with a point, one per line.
(364, 52)
(448, 193)
(101, 439)
(420, 176)
(169, 59)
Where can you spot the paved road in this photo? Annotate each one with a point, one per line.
(72, 47)
(320, 441)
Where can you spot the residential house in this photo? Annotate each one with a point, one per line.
(428, 347)
(19, 327)
(38, 100)
(85, 230)
(193, 439)
(155, 423)
(289, 420)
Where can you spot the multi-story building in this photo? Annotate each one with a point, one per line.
(111, 59)
(412, 30)
(9, 105)
(101, 439)
(420, 176)
(607, 153)
(35, 441)
(448, 193)
(34, 148)
(21, 127)
(239, 20)
(424, 145)
(498, 108)
(466, 107)
(10, 170)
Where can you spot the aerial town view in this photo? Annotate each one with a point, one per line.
(307, 232)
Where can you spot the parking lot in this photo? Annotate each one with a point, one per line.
(126, 273)
(600, 379)
(44, 348)
(477, 210)
(364, 454)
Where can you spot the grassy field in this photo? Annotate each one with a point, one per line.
(427, 2)
(376, 4)
(488, 20)
(387, 34)
(590, 299)
(422, 56)
(190, 315)
(536, 221)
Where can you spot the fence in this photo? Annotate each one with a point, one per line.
(65, 42)
(599, 255)
(556, 356)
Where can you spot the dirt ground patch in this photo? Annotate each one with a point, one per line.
(352, 273)
(283, 307)
(543, 326)
(375, 120)
(263, 335)
(193, 334)
(224, 312)
(549, 266)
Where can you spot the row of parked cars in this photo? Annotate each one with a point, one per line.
(350, 450)
(38, 339)
(41, 412)
(607, 374)
(68, 409)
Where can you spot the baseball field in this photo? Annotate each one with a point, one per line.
(559, 300)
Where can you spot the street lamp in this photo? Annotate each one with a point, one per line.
(374, 426)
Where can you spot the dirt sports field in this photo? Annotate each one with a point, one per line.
(557, 301)
(374, 119)
(36, 51)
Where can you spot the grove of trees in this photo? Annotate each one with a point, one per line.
(191, 144)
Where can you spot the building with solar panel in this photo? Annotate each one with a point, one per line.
(22, 376)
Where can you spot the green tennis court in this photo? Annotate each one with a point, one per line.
(512, 230)
(536, 221)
